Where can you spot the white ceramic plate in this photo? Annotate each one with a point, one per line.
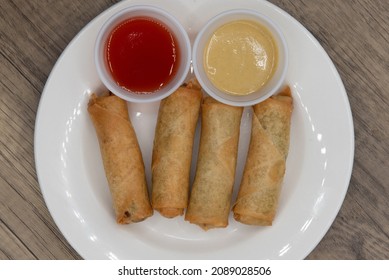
(74, 186)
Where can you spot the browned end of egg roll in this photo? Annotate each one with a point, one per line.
(264, 171)
(122, 158)
(210, 200)
(172, 151)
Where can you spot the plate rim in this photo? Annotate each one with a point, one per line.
(124, 4)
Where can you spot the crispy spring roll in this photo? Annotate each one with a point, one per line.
(210, 200)
(122, 158)
(264, 171)
(172, 151)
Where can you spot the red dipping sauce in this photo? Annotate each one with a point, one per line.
(142, 55)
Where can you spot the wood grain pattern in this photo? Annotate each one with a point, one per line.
(355, 34)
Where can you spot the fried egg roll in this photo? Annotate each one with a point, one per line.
(172, 151)
(122, 158)
(210, 200)
(259, 191)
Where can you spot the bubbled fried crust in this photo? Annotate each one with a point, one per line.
(122, 159)
(264, 171)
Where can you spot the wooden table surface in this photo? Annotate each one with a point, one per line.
(354, 33)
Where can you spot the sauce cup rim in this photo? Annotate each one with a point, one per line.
(174, 26)
(202, 38)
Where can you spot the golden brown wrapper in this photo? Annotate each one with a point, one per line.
(210, 200)
(122, 158)
(264, 171)
(172, 151)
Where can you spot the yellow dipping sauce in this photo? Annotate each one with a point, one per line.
(240, 57)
